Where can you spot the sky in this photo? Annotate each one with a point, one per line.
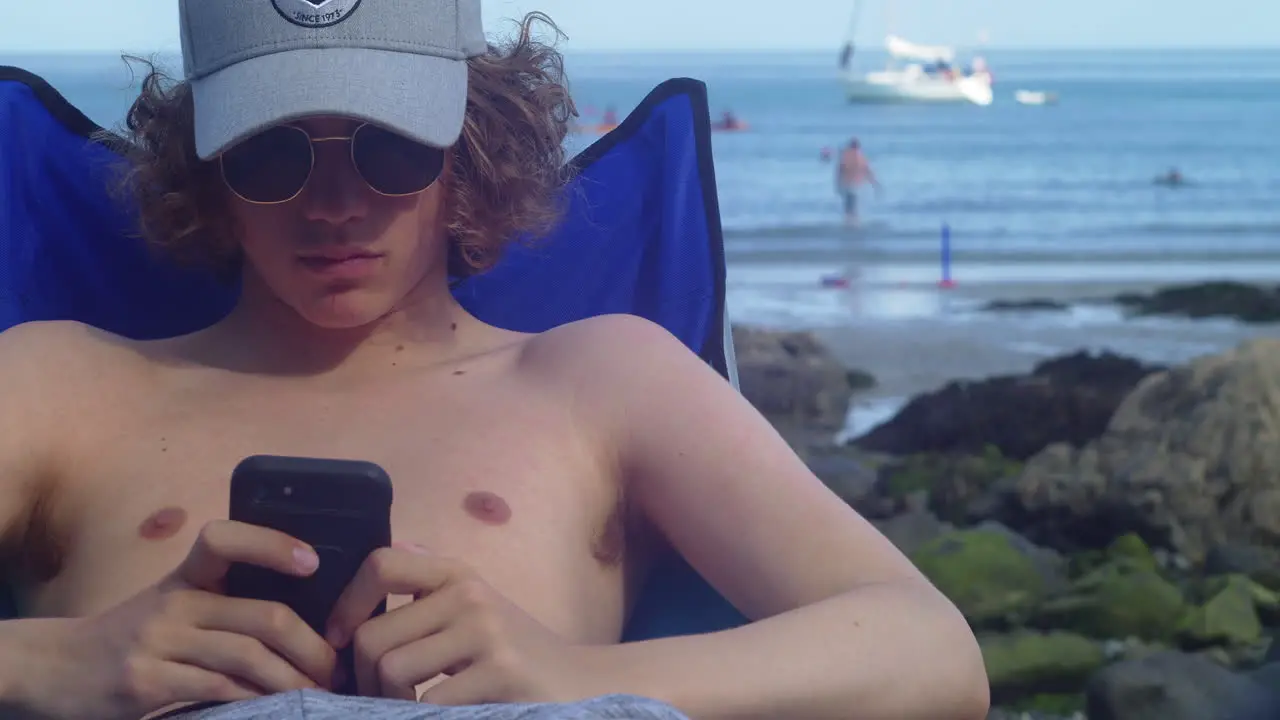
(684, 25)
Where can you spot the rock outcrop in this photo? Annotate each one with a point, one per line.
(1067, 399)
(1109, 529)
(1248, 303)
(1190, 461)
(794, 380)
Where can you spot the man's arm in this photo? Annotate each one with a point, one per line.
(871, 174)
(846, 627)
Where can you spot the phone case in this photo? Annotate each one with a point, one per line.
(342, 508)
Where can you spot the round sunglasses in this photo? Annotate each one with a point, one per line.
(273, 166)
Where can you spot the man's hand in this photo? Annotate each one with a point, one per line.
(457, 626)
(181, 640)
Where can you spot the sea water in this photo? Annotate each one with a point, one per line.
(1035, 197)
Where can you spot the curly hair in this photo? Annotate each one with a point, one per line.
(508, 166)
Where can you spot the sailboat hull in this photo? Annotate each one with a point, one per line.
(897, 86)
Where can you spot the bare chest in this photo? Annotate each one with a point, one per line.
(510, 483)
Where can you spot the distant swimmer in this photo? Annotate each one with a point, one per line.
(729, 121)
(1173, 178)
(852, 171)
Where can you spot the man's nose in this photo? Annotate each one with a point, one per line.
(335, 192)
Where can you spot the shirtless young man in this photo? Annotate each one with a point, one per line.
(534, 474)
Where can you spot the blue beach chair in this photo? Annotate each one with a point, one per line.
(642, 236)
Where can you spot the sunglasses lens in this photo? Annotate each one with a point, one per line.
(269, 167)
(393, 164)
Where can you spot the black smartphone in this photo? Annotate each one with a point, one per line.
(342, 508)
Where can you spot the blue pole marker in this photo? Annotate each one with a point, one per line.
(946, 281)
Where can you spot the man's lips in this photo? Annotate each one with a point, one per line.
(337, 255)
(341, 264)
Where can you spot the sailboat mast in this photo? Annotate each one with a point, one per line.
(851, 37)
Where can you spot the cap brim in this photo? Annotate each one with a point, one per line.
(420, 96)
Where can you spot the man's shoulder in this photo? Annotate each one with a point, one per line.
(612, 362)
(53, 341)
(604, 345)
(607, 366)
(49, 373)
(62, 352)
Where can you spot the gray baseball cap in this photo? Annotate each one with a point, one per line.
(400, 64)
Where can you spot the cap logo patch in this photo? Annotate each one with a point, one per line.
(314, 13)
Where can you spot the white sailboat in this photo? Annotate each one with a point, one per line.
(917, 73)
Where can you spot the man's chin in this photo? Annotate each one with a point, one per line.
(345, 313)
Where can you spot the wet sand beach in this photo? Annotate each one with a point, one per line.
(890, 317)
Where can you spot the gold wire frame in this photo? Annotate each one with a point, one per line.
(311, 151)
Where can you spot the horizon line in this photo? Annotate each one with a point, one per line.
(757, 50)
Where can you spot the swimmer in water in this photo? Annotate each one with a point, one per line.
(1173, 178)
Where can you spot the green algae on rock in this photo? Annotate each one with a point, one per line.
(1024, 664)
(1229, 615)
(990, 580)
(1121, 599)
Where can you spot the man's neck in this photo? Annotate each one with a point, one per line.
(263, 335)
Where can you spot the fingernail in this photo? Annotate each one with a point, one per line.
(305, 560)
